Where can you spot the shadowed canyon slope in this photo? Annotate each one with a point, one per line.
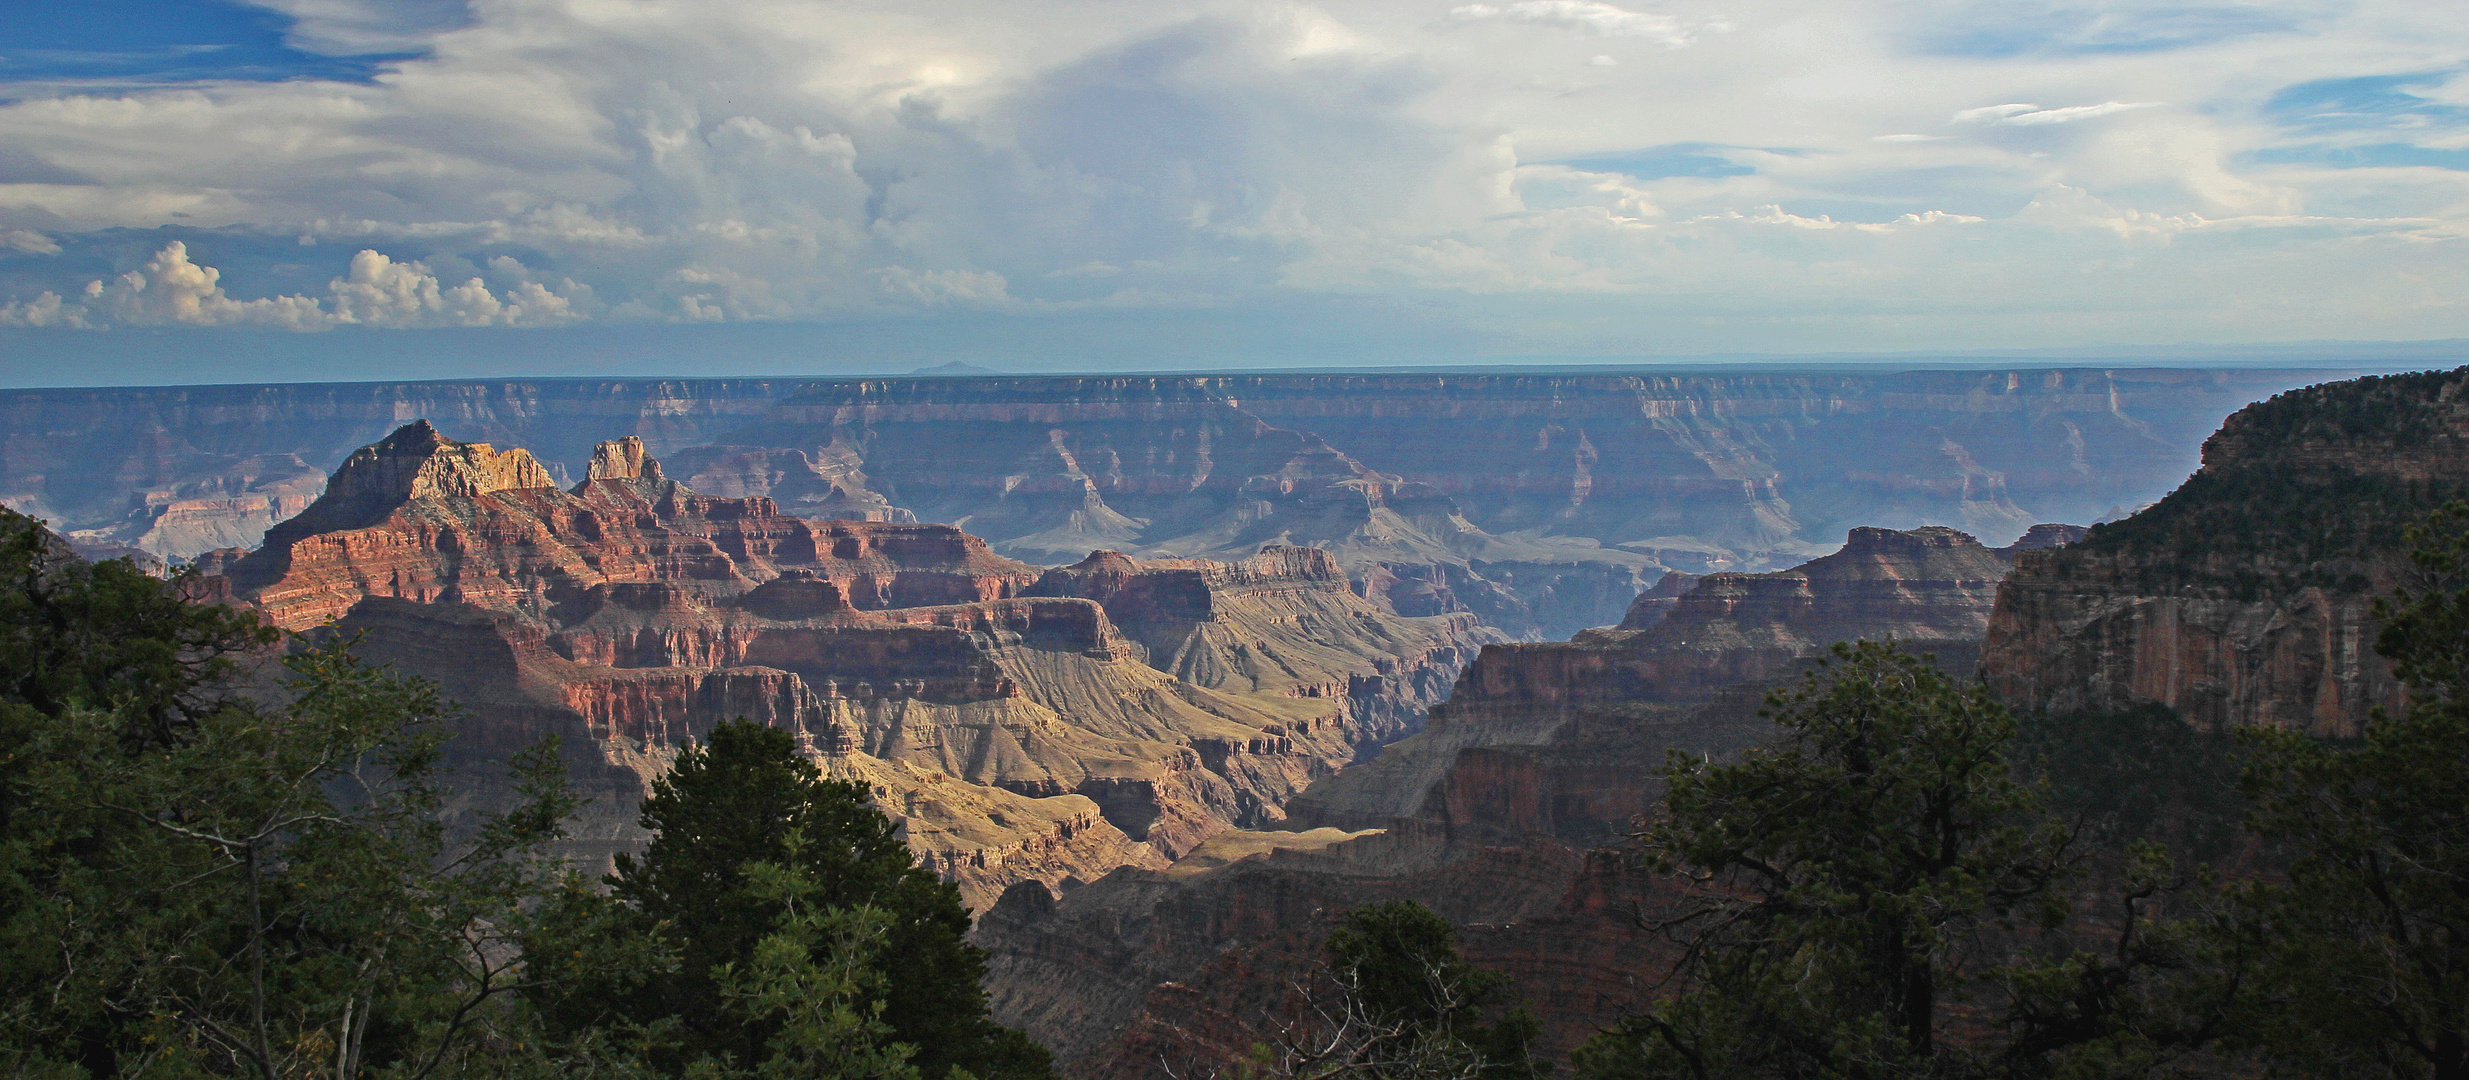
(1023, 725)
(1541, 502)
(2246, 596)
(1492, 815)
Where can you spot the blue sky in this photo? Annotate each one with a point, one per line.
(1221, 182)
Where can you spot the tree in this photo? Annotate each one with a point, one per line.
(195, 885)
(1843, 889)
(740, 819)
(2364, 947)
(1397, 1002)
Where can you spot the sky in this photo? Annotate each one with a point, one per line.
(382, 189)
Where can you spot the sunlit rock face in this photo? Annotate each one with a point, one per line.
(1494, 814)
(1542, 503)
(1003, 715)
(2247, 595)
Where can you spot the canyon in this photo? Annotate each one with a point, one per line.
(1552, 499)
(1506, 814)
(1022, 724)
(2244, 597)
(1168, 673)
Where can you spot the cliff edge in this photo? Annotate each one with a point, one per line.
(2246, 595)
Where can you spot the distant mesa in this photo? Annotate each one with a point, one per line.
(955, 368)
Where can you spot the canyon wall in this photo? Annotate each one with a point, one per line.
(1001, 714)
(1558, 737)
(1542, 503)
(2246, 595)
(180, 470)
(1505, 814)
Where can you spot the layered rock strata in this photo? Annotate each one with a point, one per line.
(1006, 719)
(2246, 596)
(1551, 501)
(1559, 737)
(1498, 814)
(181, 470)
(1539, 501)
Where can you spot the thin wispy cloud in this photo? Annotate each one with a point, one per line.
(1581, 16)
(2024, 115)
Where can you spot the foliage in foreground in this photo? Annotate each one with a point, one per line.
(2362, 950)
(193, 885)
(764, 881)
(1876, 894)
(197, 884)
(1394, 1000)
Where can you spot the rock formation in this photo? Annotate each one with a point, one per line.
(1497, 815)
(1542, 502)
(1583, 721)
(1552, 501)
(2245, 597)
(1003, 715)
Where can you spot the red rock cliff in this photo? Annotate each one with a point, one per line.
(2245, 596)
(1019, 737)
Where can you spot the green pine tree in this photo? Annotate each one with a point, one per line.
(738, 816)
(1425, 1006)
(1874, 894)
(195, 885)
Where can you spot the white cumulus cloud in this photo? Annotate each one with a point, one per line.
(740, 160)
(173, 290)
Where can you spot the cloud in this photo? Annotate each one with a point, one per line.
(28, 241)
(45, 310)
(567, 161)
(172, 290)
(1999, 29)
(381, 292)
(960, 287)
(1993, 113)
(2034, 115)
(1581, 16)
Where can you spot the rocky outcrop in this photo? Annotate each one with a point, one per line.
(2042, 536)
(185, 469)
(1016, 729)
(1560, 738)
(417, 516)
(2245, 597)
(1282, 622)
(1499, 815)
